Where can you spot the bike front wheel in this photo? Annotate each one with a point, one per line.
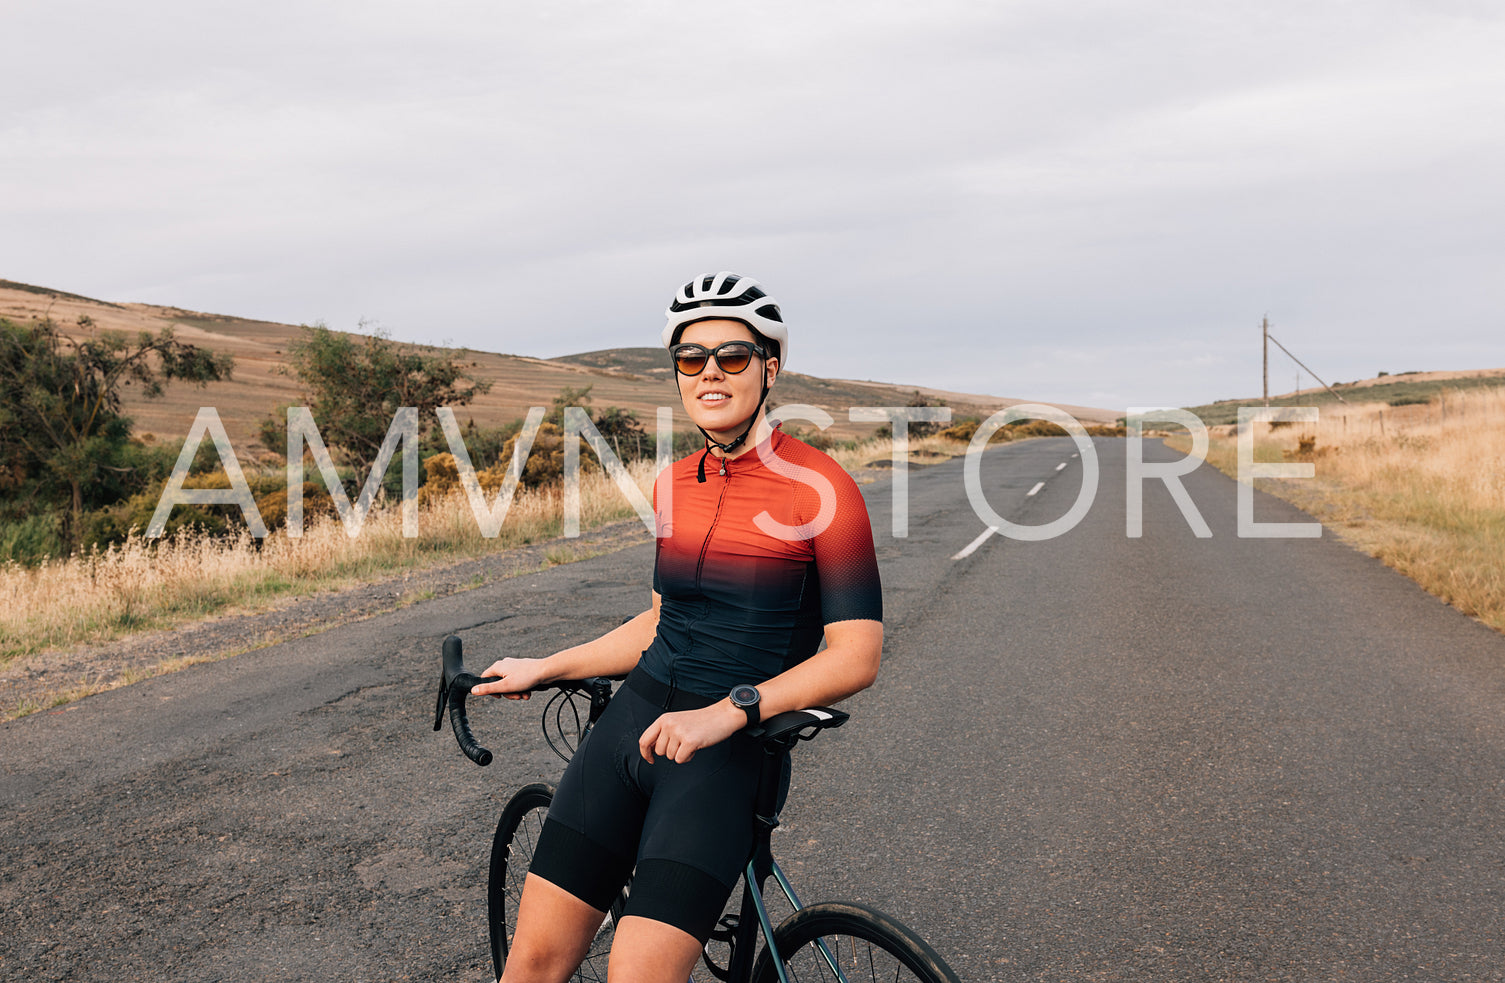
(841, 941)
(511, 855)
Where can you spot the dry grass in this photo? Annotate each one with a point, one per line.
(144, 585)
(1421, 487)
(105, 594)
(878, 452)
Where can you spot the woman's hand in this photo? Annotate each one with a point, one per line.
(517, 677)
(678, 735)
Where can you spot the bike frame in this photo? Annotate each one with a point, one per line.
(760, 867)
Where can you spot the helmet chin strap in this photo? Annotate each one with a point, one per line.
(741, 439)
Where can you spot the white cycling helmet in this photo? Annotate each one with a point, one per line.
(728, 295)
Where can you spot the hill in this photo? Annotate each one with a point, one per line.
(633, 378)
(1400, 389)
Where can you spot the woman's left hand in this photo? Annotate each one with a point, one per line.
(678, 735)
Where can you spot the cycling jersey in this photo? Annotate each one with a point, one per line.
(743, 599)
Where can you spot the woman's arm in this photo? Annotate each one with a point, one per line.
(613, 654)
(847, 665)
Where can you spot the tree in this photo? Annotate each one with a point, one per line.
(61, 425)
(624, 432)
(924, 428)
(917, 428)
(566, 398)
(356, 385)
(621, 428)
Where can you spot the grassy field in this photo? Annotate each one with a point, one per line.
(1418, 484)
(1405, 389)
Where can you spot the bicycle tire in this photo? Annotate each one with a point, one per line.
(511, 856)
(867, 945)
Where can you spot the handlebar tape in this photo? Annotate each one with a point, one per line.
(459, 689)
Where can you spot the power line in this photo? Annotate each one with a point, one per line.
(1270, 337)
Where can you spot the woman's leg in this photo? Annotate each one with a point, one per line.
(554, 932)
(647, 951)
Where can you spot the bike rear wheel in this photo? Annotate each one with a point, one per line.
(840, 941)
(511, 856)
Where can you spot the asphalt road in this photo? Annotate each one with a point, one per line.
(1087, 758)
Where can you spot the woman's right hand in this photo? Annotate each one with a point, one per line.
(516, 678)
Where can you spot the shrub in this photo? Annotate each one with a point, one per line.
(1032, 428)
(112, 525)
(809, 435)
(273, 505)
(31, 539)
(545, 458)
(962, 429)
(483, 444)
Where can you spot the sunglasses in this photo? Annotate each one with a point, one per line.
(733, 357)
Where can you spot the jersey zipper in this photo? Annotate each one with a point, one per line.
(700, 563)
(711, 530)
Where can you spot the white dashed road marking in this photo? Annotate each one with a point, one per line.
(1035, 489)
(1061, 466)
(976, 542)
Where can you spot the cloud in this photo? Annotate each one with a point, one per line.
(1143, 180)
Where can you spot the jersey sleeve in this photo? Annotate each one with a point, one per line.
(662, 519)
(845, 558)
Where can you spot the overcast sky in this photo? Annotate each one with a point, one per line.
(1083, 202)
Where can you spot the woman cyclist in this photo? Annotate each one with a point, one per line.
(760, 556)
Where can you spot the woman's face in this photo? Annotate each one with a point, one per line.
(718, 401)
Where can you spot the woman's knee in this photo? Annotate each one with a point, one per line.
(649, 951)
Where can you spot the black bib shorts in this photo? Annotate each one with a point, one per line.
(682, 832)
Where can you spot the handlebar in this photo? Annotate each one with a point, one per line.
(781, 731)
(455, 684)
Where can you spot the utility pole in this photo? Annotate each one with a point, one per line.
(1264, 334)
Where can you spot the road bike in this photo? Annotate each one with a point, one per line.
(829, 941)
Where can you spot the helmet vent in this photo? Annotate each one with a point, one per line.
(738, 297)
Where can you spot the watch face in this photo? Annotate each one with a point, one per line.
(744, 695)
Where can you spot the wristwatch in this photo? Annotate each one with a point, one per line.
(745, 697)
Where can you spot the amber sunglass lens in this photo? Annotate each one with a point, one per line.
(690, 364)
(733, 358)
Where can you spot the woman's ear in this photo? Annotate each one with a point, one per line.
(771, 370)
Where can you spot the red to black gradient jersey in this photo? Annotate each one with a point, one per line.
(753, 564)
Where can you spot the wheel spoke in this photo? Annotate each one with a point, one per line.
(847, 943)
